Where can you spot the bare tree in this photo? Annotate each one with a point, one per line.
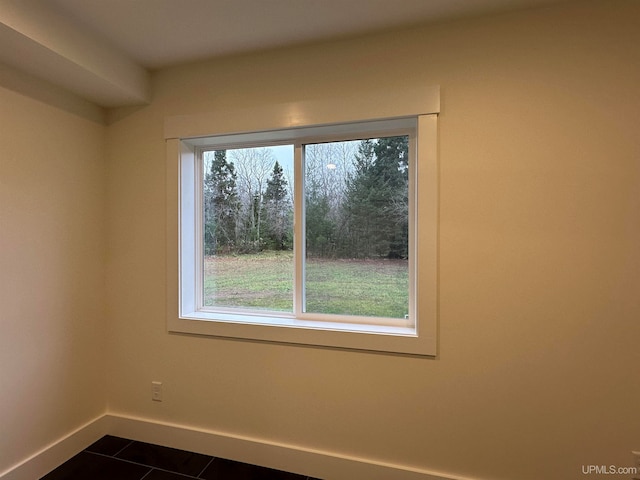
(327, 170)
(253, 166)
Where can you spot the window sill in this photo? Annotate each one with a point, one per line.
(380, 338)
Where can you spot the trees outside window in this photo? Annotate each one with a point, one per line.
(356, 218)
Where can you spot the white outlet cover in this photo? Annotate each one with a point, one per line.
(156, 391)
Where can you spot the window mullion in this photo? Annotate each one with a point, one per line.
(298, 231)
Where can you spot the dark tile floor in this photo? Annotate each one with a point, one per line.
(115, 458)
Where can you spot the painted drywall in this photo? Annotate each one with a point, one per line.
(538, 263)
(51, 275)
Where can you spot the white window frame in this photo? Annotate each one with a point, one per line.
(185, 137)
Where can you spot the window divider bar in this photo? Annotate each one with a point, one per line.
(299, 231)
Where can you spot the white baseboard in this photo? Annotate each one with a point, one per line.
(58, 452)
(291, 458)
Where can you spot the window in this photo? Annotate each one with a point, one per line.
(317, 234)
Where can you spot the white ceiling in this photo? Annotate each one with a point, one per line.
(158, 33)
(60, 40)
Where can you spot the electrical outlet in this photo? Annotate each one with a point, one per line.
(156, 391)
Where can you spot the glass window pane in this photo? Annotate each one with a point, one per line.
(248, 228)
(356, 227)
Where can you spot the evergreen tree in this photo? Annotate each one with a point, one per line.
(392, 158)
(359, 213)
(376, 226)
(320, 228)
(277, 211)
(221, 205)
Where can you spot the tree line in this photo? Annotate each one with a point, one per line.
(356, 200)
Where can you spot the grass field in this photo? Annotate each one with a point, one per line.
(265, 281)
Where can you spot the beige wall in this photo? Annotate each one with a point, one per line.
(51, 275)
(539, 259)
(539, 265)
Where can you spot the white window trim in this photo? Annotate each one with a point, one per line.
(184, 136)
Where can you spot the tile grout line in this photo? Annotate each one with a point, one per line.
(205, 467)
(122, 459)
(146, 474)
(123, 448)
(151, 468)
